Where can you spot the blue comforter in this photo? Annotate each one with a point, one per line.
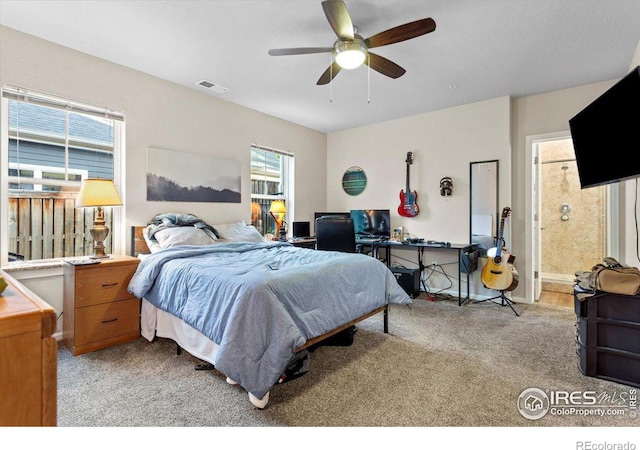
(261, 301)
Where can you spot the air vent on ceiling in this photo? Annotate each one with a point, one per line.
(214, 87)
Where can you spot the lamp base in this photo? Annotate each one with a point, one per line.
(98, 251)
(98, 256)
(282, 234)
(99, 232)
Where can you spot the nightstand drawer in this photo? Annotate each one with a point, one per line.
(106, 321)
(102, 284)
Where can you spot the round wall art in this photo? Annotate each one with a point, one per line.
(354, 180)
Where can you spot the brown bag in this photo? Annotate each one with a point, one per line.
(615, 278)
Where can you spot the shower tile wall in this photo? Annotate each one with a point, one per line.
(577, 243)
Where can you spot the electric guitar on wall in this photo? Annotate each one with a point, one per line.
(499, 272)
(408, 206)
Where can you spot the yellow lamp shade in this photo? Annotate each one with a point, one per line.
(98, 192)
(277, 207)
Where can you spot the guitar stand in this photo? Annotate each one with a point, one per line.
(504, 301)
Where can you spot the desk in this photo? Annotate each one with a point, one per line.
(460, 249)
(304, 243)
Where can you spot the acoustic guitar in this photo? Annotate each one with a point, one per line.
(514, 273)
(408, 198)
(499, 273)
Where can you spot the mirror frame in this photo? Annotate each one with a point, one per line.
(495, 207)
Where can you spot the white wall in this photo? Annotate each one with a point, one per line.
(635, 61)
(164, 115)
(48, 285)
(443, 144)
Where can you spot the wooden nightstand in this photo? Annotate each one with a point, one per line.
(98, 310)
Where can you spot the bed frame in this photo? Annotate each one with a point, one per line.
(139, 246)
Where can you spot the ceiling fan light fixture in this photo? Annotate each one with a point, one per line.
(351, 50)
(350, 54)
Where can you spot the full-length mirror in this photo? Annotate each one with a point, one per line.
(483, 211)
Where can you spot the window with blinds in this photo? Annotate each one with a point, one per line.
(271, 179)
(49, 145)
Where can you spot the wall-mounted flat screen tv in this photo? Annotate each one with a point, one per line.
(606, 134)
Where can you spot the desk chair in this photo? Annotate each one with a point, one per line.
(335, 233)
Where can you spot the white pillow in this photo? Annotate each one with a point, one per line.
(238, 232)
(170, 237)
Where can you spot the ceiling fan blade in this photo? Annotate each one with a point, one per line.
(329, 74)
(401, 33)
(299, 51)
(339, 18)
(384, 66)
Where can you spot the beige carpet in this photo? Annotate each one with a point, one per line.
(441, 365)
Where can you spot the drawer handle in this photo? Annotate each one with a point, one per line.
(109, 285)
(110, 320)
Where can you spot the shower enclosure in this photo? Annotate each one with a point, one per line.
(573, 221)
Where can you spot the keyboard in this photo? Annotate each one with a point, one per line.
(371, 238)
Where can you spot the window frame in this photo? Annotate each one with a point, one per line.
(38, 181)
(287, 171)
(7, 93)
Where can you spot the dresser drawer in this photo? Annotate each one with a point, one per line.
(102, 284)
(106, 321)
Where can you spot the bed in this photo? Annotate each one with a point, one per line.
(249, 306)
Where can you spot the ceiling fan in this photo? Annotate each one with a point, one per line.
(351, 50)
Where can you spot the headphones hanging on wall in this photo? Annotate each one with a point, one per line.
(446, 186)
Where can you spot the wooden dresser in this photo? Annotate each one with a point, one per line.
(98, 310)
(28, 358)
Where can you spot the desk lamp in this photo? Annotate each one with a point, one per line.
(277, 211)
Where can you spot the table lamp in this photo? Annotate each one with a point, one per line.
(98, 192)
(277, 211)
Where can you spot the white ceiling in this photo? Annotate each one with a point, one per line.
(486, 48)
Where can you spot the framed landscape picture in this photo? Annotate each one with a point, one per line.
(188, 177)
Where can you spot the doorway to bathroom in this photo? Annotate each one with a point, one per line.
(570, 227)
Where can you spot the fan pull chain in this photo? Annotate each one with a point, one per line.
(331, 78)
(368, 78)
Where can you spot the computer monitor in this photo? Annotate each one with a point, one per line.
(301, 229)
(371, 223)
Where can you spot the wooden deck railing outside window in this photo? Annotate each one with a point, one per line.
(47, 225)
